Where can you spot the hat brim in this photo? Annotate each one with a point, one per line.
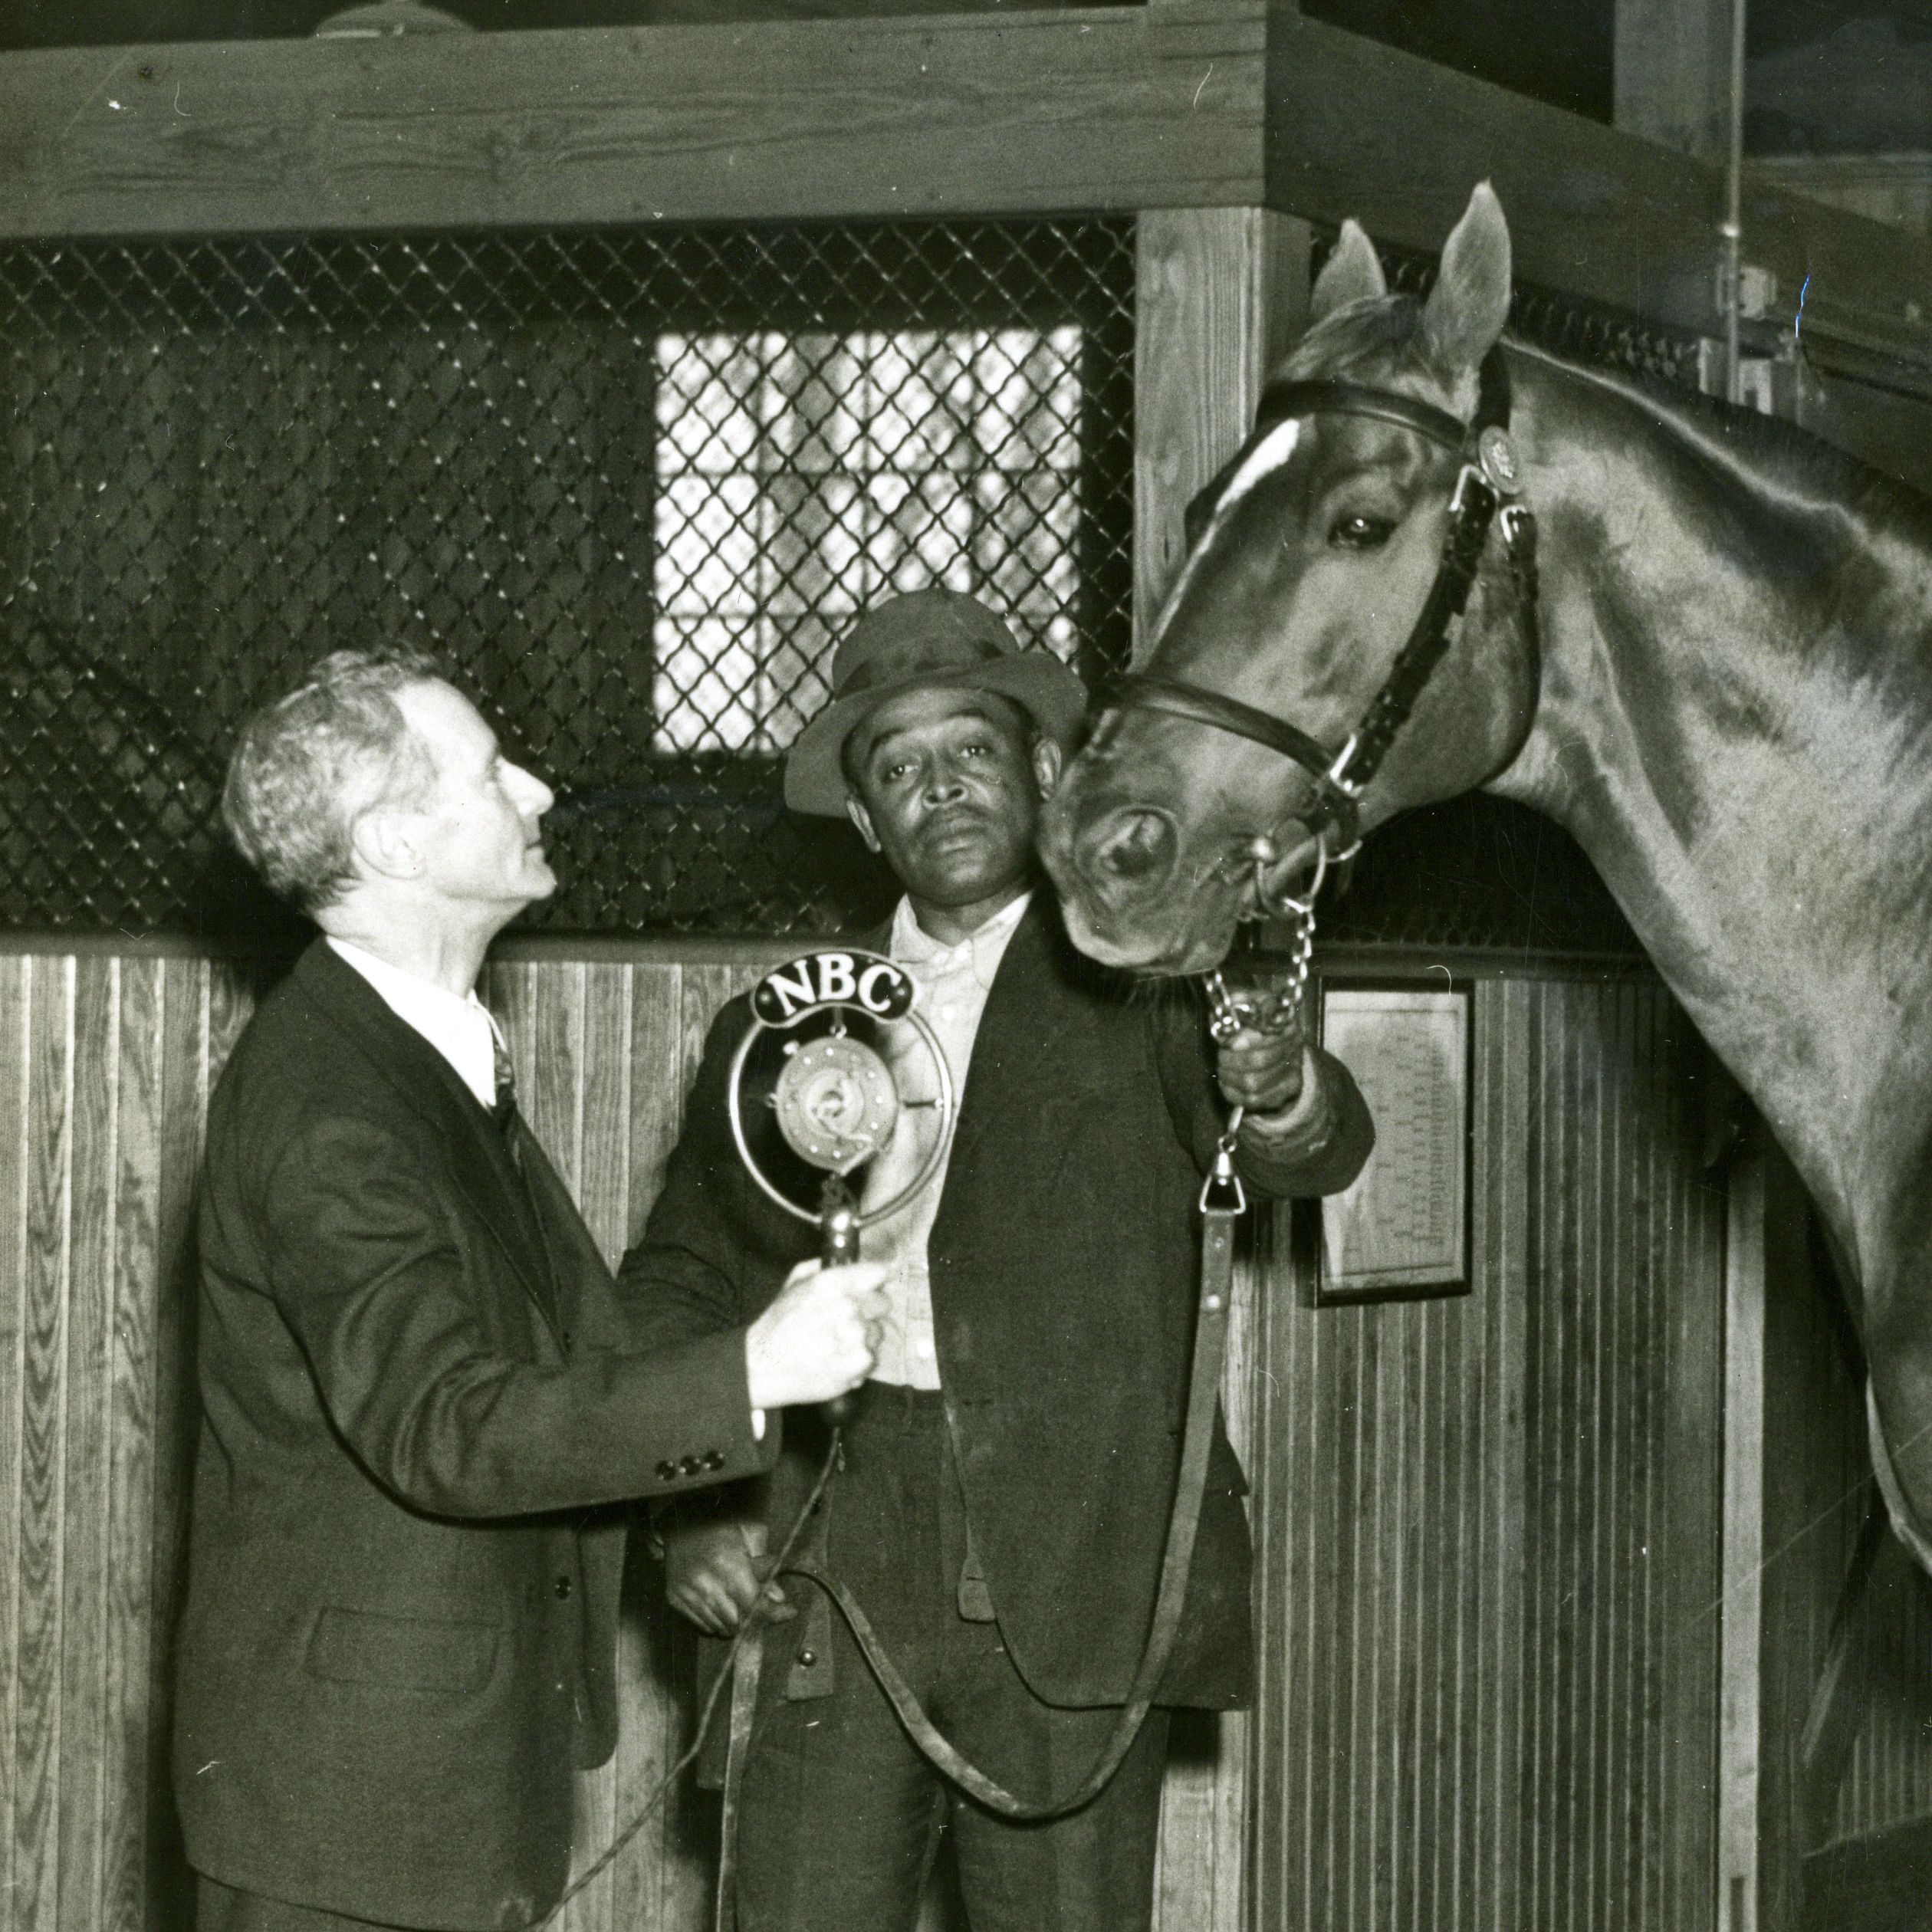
(1050, 694)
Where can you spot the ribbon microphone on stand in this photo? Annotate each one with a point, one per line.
(836, 1103)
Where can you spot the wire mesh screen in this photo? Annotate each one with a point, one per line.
(631, 485)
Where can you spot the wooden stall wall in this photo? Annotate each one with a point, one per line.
(106, 1064)
(1487, 1524)
(1826, 1839)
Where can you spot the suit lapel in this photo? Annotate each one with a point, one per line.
(479, 1157)
(1028, 1010)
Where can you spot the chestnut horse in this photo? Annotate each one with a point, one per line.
(1724, 691)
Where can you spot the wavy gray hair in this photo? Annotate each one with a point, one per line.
(307, 766)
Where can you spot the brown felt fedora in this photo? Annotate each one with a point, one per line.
(926, 637)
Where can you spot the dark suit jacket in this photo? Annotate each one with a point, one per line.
(1065, 1267)
(418, 1386)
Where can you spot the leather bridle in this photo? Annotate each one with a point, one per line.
(1487, 484)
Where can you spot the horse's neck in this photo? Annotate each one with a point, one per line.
(1736, 724)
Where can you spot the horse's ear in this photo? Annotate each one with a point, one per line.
(1353, 273)
(1469, 304)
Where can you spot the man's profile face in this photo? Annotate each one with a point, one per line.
(479, 833)
(949, 787)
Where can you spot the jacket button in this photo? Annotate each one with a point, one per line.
(667, 1470)
(691, 1465)
(808, 1658)
(714, 1458)
(562, 1586)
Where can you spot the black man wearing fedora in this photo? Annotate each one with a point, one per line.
(1003, 1503)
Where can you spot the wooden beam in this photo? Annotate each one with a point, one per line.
(1112, 109)
(1356, 128)
(1106, 108)
(1673, 73)
(1219, 293)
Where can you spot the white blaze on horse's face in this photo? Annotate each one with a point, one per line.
(1270, 456)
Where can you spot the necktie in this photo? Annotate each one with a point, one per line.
(505, 1109)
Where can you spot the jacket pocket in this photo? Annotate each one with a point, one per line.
(402, 1652)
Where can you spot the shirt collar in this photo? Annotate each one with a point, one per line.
(460, 1026)
(985, 947)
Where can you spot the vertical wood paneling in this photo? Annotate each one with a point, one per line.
(1488, 1556)
(87, 1385)
(201, 1007)
(1817, 1488)
(38, 1569)
(135, 1286)
(1201, 1855)
(603, 1186)
(1487, 1525)
(668, 1884)
(16, 1127)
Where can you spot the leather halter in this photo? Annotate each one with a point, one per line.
(1487, 475)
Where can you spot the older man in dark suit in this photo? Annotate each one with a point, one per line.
(1007, 1477)
(419, 1387)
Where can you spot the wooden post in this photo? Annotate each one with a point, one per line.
(1220, 293)
(1739, 1742)
(1673, 73)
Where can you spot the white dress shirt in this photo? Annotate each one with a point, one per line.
(950, 983)
(462, 1030)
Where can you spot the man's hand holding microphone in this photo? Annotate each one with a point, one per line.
(818, 1339)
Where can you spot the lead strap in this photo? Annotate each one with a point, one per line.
(1223, 1202)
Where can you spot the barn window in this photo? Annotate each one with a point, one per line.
(801, 477)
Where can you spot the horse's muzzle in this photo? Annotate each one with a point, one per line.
(1118, 875)
(1133, 847)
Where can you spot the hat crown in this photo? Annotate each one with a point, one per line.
(925, 633)
(923, 638)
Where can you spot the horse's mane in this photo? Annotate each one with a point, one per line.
(1384, 337)
(1732, 437)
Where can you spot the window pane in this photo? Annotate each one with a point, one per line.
(804, 476)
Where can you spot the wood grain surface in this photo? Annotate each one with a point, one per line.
(1488, 1532)
(1100, 108)
(1200, 103)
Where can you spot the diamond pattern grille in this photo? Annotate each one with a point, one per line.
(630, 484)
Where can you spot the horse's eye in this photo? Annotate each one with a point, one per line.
(1361, 533)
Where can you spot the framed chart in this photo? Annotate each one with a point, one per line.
(1401, 1231)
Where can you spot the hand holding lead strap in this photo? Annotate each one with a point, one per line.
(1255, 1015)
(835, 1101)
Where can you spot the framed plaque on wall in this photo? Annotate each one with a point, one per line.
(1401, 1231)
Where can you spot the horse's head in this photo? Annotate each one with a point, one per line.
(1311, 555)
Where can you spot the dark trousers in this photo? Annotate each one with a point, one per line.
(841, 1815)
(221, 1908)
